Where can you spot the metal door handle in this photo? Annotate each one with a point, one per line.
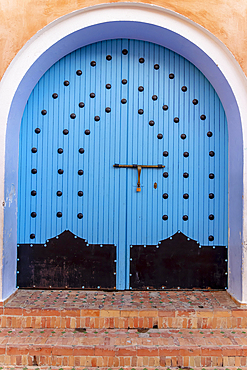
(139, 168)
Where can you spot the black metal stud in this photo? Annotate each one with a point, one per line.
(124, 81)
(37, 130)
(171, 76)
(165, 195)
(165, 174)
(154, 97)
(164, 217)
(80, 193)
(59, 214)
(140, 88)
(211, 176)
(165, 153)
(210, 238)
(81, 104)
(65, 131)
(203, 117)
(195, 101)
(186, 154)
(211, 153)
(60, 171)
(209, 134)
(81, 150)
(185, 218)
(32, 236)
(43, 112)
(33, 214)
(183, 136)
(160, 136)
(184, 88)
(141, 60)
(80, 172)
(93, 63)
(108, 57)
(108, 86)
(33, 193)
(108, 109)
(165, 107)
(34, 150)
(151, 123)
(124, 101)
(80, 215)
(60, 150)
(73, 115)
(59, 193)
(55, 96)
(156, 66)
(92, 95)
(34, 171)
(140, 111)
(211, 217)
(185, 175)
(124, 51)
(211, 195)
(79, 72)
(87, 132)
(96, 118)
(66, 83)
(186, 196)
(176, 120)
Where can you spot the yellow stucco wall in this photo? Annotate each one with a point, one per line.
(21, 19)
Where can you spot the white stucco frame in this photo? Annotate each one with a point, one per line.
(135, 21)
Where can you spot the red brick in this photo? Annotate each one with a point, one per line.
(163, 361)
(104, 351)
(90, 313)
(2, 350)
(168, 351)
(147, 351)
(214, 351)
(186, 313)
(13, 311)
(239, 313)
(35, 350)
(62, 351)
(232, 351)
(83, 351)
(73, 313)
(94, 362)
(125, 351)
(190, 351)
(20, 350)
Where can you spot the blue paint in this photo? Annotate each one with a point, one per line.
(160, 36)
(136, 218)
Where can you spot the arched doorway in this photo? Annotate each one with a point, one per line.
(139, 21)
(123, 164)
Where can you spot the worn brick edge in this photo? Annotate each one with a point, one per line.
(122, 319)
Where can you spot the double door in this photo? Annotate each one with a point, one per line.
(123, 143)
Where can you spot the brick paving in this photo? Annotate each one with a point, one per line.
(130, 330)
(141, 300)
(121, 347)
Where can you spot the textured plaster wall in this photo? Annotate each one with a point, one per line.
(21, 19)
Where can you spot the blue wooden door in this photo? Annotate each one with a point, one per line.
(123, 102)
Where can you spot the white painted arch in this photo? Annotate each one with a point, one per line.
(135, 21)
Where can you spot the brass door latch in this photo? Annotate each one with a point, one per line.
(139, 169)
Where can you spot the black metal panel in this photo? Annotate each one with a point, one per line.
(66, 262)
(178, 262)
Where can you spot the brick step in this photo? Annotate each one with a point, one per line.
(94, 309)
(121, 368)
(124, 348)
(101, 318)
